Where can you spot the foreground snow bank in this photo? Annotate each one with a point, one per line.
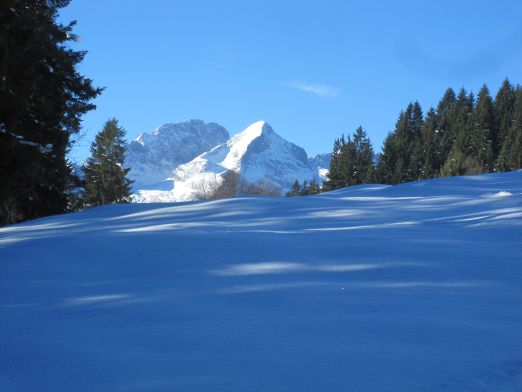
(415, 287)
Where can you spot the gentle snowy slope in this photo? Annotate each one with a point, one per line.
(415, 287)
(153, 157)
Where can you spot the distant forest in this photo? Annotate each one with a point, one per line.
(463, 135)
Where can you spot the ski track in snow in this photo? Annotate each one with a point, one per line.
(415, 287)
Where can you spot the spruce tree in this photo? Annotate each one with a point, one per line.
(504, 104)
(335, 172)
(295, 190)
(105, 176)
(483, 130)
(42, 99)
(401, 157)
(352, 161)
(305, 190)
(429, 151)
(364, 155)
(444, 125)
(510, 157)
(314, 188)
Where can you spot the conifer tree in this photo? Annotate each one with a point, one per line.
(364, 155)
(42, 100)
(314, 188)
(430, 154)
(295, 190)
(444, 125)
(352, 161)
(305, 190)
(335, 172)
(504, 104)
(483, 130)
(510, 157)
(401, 157)
(105, 176)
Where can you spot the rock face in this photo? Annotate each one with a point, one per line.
(177, 160)
(153, 157)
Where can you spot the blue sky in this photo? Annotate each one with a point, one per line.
(312, 69)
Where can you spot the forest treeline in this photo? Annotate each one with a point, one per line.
(463, 135)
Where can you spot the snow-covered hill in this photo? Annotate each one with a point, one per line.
(415, 287)
(257, 153)
(153, 157)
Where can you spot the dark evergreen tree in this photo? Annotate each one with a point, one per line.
(42, 99)
(352, 161)
(444, 126)
(483, 131)
(335, 172)
(460, 160)
(430, 154)
(105, 176)
(314, 188)
(295, 190)
(401, 159)
(305, 190)
(510, 157)
(364, 155)
(504, 104)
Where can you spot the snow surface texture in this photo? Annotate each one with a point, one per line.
(153, 157)
(257, 153)
(415, 287)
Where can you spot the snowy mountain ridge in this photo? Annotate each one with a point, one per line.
(152, 157)
(258, 154)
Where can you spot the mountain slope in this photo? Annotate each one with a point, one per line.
(414, 287)
(153, 157)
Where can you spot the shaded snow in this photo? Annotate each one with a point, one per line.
(415, 287)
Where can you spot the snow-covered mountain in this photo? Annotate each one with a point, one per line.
(153, 157)
(258, 154)
(320, 164)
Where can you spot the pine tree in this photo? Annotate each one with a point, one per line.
(482, 131)
(337, 167)
(105, 177)
(352, 161)
(305, 190)
(510, 157)
(401, 157)
(295, 190)
(42, 99)
(504, 104)
(460, 160)
(429, 150)
(364, 155)
(444, 125)
(314, 189)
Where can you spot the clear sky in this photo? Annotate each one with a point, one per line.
(312, 69)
